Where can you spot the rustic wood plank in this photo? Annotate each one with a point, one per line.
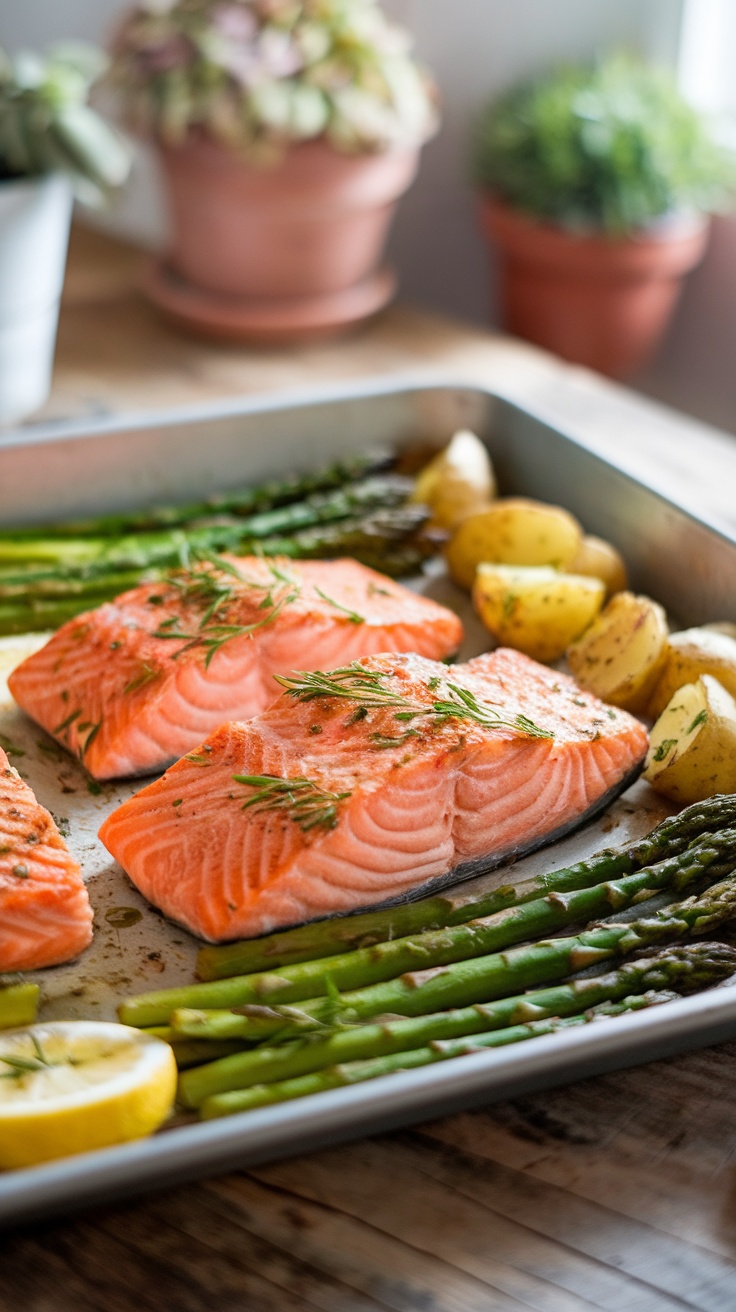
(655, 1142)
(451, 1207)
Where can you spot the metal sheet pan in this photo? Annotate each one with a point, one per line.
(46, 472)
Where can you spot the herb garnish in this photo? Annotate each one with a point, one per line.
(352, 615)
(664, 747)
(217, 583)
(298, 799)
(357, 683)
(146, 674)
(354, 682)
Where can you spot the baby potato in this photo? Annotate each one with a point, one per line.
(534, 608)
(692, 750)
(722, 626)
(513, 531)
(621, 655)
(689, 654)
(601, 560)
(457, 482)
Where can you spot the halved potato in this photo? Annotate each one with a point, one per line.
(535, 609)
(458, 481)
(623, 651)
(689, 654)
(602, 561)
(513, 531)
(692, 750)
(722, 626)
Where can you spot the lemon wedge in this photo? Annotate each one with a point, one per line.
(69, 1086)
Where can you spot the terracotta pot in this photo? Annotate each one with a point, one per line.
(312, 225)
(598, 301)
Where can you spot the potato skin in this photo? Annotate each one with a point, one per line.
(620, 656)
(695, 740)
(535, 609)
(691, 653)
(513, 531)
(601, 560)
(457, 482)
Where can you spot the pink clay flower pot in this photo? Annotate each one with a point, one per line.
(598, 301)
(313, 224)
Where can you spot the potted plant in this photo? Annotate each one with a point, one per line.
(52, 146)
(595, 183)
(287, 129)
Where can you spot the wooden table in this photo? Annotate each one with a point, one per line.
(614, 1193)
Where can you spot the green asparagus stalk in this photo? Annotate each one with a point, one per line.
(328, 937)
(191, 1052)
(435, 948)
(165, 546)
(243, 501)
(18, 1003)
(44, 596)
(695, 966)
(501, 974)
(336, 1077)
(30, 585)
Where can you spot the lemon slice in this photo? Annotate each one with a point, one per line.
(69, 1086)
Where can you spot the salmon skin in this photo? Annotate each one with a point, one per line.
(45, 915)
(371, 784)
(133, 685)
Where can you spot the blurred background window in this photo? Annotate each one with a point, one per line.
(476, 50)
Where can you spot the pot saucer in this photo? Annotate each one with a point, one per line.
(261, 319)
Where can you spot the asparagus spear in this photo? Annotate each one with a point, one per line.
(387, 541)
(244, 501)
(434, 949)
(18, 1003)
(500, 974)
(336, 1077)
(327, 937)
(165, 547)
(685, 969)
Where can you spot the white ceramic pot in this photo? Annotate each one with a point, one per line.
(34, 233)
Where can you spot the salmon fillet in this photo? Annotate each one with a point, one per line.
(45, 915)
(133, 685)
(376, 791)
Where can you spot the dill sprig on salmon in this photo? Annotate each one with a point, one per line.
(298, 799)
(218, 582)
(368, 688)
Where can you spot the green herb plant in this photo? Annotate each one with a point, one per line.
(46, 126)
(611, 146)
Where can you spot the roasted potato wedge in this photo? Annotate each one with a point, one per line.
(457, 482)
(692, 750)
(622, 653)
(513, 531)
(689, 654)
(722, 626)
(602, 561)
(535, 608)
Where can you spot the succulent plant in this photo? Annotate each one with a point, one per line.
(611, 146)
(46, 125)
(258, 75)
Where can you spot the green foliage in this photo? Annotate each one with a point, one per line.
(259, 74)
(612, 146)
(46, 126)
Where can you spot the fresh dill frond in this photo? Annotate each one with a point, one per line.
(300, 800)
(463, 704)
(216, 583)
(353, 682)
(352, 615)
(368, 688)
